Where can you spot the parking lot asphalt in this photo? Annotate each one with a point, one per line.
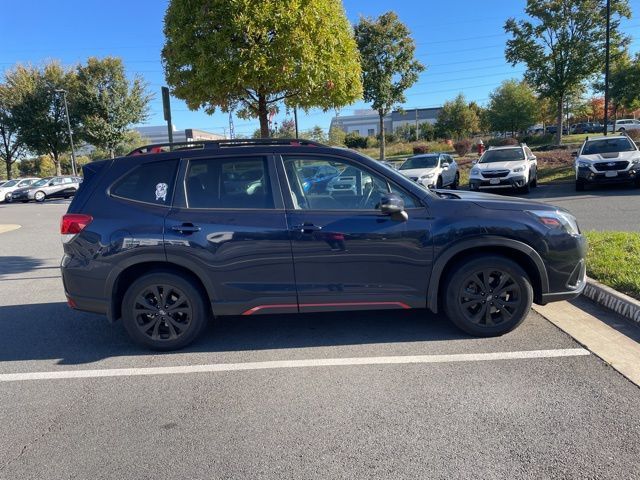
(514, 416)
(612, 207)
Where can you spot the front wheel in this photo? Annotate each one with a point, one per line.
(456, 182)
(164, 311)
(488, 296)
(579, 186)
(39, 196)
(439, 182)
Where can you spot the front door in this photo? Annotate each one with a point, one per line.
(228, 223)
(347, 255)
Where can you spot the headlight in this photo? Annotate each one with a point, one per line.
(426, 175)
(635, 161)
(518, 169)
(475, 171)
(582, 163)
(557, 220)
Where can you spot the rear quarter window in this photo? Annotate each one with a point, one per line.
(150, 183)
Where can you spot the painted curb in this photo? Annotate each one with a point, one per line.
(613, 300)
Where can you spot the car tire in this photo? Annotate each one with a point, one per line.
(579, 186)
(39, 196)
(487, 295)
(534, 182)
(8, 198)
(526, 188)
(456, 182)
(24, 201)
(170, 328)
(439, 182)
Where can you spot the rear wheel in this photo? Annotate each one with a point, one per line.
(39, 196)
(164, 311)
(488, 296)
(8, 198)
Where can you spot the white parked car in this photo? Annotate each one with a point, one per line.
(7, 188)
(604, 160)
(625, 124)
(432, 170)
(512, 167)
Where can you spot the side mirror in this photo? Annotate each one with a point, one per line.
(474, 162)
(574, 154)
(50, 184)
(393, 204)
(445, 165)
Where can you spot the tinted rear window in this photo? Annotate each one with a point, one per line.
(150, 183)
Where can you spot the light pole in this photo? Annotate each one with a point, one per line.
(606, 71)
(66, 109)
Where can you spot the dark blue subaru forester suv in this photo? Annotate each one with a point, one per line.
(169, 236)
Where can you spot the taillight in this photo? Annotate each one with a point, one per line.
(72, 224)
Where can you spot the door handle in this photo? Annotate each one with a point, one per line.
(185, 228)
(306, 228)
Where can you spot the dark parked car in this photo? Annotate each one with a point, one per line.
(552, 129)
(164, 241)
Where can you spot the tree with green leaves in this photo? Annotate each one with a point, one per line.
(562, 44)
(252, 55)
(109, 103)
(11, 146)
(624, 83)
(39, 112)
(513, 107)
(336, 136)
(132, 140)
(457, 120)
(389, 66)
(316, 134)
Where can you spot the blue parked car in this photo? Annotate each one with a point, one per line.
(170, 236)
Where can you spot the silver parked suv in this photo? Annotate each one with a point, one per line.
(49, 187)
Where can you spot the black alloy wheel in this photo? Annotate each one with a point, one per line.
(488, 295)
(164, 311)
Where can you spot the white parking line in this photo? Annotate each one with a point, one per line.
(318, 362)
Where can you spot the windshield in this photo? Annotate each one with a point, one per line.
(420, 162)
(507, 155)
(41, 183)
(10, 183)
(610, 145)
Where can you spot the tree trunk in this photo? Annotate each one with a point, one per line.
(381, 114)
(560, 113)
(56, 162)
(8, 162)
(263, 115)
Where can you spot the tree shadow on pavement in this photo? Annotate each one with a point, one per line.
(53, 331)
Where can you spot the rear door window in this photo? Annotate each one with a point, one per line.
(150, 183)
(238, 182)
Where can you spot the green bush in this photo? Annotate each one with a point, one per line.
(354, 140)
(462, 147)
(372, 142)
(530, 140)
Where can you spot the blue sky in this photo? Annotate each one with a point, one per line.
(461, 43)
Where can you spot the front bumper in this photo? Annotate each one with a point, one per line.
(21, 196)
(586, 175)
(513, 181)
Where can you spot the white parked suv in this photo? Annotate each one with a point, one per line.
(7, 188)
(512, 167)
(625, 124)
(603, 160)
(432, 170)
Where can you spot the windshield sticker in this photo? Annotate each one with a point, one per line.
(161, 191)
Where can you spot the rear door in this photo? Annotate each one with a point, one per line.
(228, 224)
(347, 255)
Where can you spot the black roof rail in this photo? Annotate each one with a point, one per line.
(210, 144)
